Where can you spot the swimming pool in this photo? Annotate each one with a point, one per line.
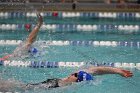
(78, 48)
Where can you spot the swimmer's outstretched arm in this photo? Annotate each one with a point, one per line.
(32, 36)
(109, 70)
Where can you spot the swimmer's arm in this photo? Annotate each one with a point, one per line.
(32, 36)
(109, 70)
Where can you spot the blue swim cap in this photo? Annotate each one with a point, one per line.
(33, 50)
(84, 76)
(1, 62)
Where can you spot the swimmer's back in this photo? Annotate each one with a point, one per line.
(49, 83)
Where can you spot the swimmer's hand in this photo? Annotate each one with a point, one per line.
(126, 73)
(40, 19)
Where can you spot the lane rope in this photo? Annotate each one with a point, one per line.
(48, 64)
(78, 43)
(75, 27)
(71, 14)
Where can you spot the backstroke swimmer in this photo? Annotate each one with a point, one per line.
(26, 47)
(81, 75)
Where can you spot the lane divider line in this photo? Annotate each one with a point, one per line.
(78, 43)
(48, 64)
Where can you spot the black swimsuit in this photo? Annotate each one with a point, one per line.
(49, 83)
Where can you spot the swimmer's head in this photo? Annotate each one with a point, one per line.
(84, 76)
(73, 77)
(33, 50)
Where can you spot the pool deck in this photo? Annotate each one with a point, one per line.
(130, 7)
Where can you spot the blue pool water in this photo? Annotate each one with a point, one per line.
(102, 84)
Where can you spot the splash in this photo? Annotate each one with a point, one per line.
(10, 85)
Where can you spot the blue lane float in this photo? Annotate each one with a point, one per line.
(44, 64)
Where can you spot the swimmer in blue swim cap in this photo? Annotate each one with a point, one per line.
(82, 75)
(26, 46)
(78, 76)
